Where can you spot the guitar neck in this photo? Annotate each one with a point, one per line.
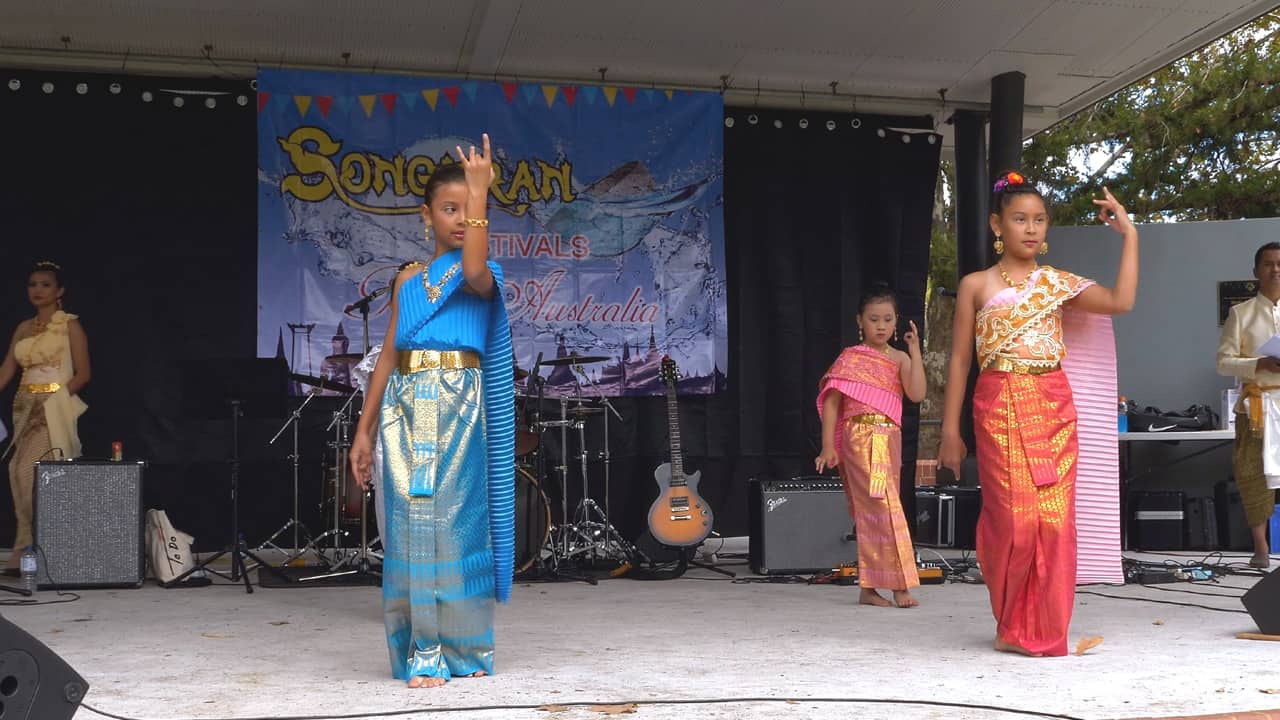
(673, 427)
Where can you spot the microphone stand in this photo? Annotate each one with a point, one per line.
(552, 565)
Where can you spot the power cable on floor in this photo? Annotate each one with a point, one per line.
(637, 703)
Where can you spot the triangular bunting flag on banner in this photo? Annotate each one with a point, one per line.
(648, 94)
(549, 92)
(282, 102)
(367, 102)
(470, 88)
(570, 94)
(342, 103)
(530, 92)
(509, 90)
(410, 99)
(670, 93)
(263, 97)
(629, 94)
(590, 92)
(324, 102)
(432, 97)
(304, 104)
(451, 94)
(389, 101)
(611, 94)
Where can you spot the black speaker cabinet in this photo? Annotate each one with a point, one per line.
(1156, 520)
(89, 524)
(1233, 529)
(799, 526)
(1263, 603)
(947, 516)
(35, 684)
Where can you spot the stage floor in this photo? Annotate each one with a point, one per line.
(216, 652)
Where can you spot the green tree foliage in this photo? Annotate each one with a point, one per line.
(1198, 140)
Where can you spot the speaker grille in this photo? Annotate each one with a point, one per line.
(88, 522)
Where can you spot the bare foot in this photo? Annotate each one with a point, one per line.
(1003, 646)
(478, 673)
(871, 596)
(425, 681)
(1261, 561)
(903, 599)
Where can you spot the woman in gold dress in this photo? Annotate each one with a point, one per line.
(52, 352)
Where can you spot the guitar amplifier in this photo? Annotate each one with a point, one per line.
(89, 524)
(1157, 520)
(799, 526)
(947, 516)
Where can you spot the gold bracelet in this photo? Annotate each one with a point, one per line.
(477, 222)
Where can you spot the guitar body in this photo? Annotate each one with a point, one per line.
(679, 517)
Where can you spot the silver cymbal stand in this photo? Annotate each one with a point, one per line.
(341, 443)
(299, 529)
(591, 523)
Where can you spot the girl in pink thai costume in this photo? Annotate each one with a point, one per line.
(53, 353)
(860, 403)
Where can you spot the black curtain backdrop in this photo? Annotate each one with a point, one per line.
(151, 210)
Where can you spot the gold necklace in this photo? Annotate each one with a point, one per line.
(435, 291)
(38, 326)
(1009, 280)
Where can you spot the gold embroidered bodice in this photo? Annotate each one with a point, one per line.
(1025, 323)
(46, 357)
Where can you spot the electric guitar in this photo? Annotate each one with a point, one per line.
(679, 517)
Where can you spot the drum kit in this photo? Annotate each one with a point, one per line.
(582, 538)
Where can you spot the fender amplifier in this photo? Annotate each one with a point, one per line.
(89, 524)
(799, 526)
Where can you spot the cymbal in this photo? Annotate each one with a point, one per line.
(521, 374)
(583, 411)
(575, 359)
(321, 383)
(354, 357)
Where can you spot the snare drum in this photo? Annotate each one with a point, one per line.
(533, 519)
(526, 438)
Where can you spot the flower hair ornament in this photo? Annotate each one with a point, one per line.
(1008, 179)
(48, 265)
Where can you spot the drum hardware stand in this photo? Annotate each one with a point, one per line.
(358, 559)
(553, 563)
(341, 443)
(591, 523)
(299, 529)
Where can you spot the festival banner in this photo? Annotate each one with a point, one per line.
(605, 215)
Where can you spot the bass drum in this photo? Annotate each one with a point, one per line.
(533, 520)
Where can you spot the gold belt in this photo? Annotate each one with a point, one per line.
(412, 361)
(1021, 367)
(872, 419)
(42, 388)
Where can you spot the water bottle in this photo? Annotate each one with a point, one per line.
(1123, 415)
(30, 567)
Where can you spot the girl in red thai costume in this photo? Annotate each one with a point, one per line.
(860, 403)
(1045, 427)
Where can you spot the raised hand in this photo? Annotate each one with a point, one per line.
(912, 338)
(1112, 213)
(478, 167)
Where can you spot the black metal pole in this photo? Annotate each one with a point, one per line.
(973, 252)
(1007, 93)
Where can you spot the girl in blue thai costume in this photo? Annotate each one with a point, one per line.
(443, 406)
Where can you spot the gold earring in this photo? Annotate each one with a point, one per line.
(1044, 248)
(998, 245)
(895, 336)
(860, 333)
(426, 233)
